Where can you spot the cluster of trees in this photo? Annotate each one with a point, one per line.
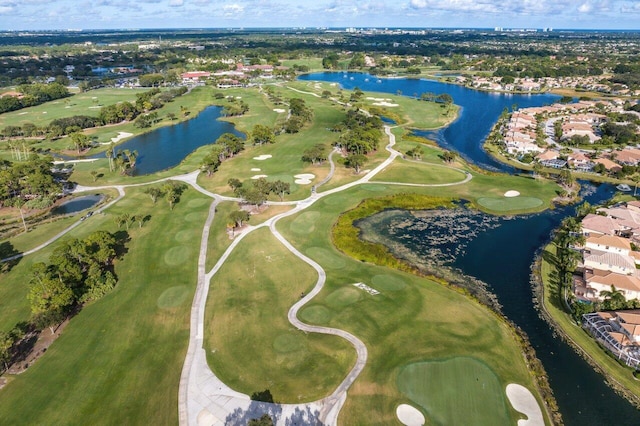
(169, 190)
(226, 146)
(361, 133)
(32, 95)
(620, 134)
(258, 191)
(79, 271)
(315, 155)
(235, 107)
(300, 114)
(261, 134)
(124, 160)
(416, 152)
(31, 183)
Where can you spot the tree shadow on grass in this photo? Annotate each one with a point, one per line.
(6, 251)
(122, 238)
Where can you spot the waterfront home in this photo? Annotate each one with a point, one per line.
(607, 261)
(618, 331)
(599, 224)
(609, 165)
(609, 244)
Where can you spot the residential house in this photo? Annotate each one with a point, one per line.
(618, 331)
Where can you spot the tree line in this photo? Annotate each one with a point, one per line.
(32, 95)
(140, 111)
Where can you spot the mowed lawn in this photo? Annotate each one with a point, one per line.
(412, 319)
(86, 103)
(250, 344)
(420, 173)
(456, 391)
(119, 361)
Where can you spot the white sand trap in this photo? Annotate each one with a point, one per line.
(385, 104)
(279, 110)
(258, 176)
(409, 416)
(511, 194)
(22, 113)
(304, 178)
(44, 112)
(263, 157)
(255, 169)
(121, 135)
(524, 402)
(95, 107)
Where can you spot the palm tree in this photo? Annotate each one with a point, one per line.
(613, 299)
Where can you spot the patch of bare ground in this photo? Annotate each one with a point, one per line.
(30, 348)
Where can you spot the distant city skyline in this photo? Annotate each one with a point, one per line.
(140, 14)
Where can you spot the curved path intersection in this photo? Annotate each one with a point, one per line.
(203, 399)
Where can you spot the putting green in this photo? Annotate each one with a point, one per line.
(456, 391)
(388, 283)
(505, 204)
(343, 297)
(316, 314)
(184, 236)
(305, 223)
(173, 296)
(177, 255)
(326, 258)
(194, 217)
(290, 342)
(197, 202)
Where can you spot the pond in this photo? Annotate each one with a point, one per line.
(498, 251)
(167, 146)
(77, 204)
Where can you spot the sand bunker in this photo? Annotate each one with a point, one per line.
(409, 416)
(304, 178)
(258, 176)
(511, 194)
(121, 135)
(279, 110)
(385, 104)
(524, 402)
(263, 157)
(255, 169)
(378, 99)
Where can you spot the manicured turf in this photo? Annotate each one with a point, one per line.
(506, 204)
(417, 172)
(250, 344)
(87, 103)
(119, 360)
(456, 391)
(412, 319)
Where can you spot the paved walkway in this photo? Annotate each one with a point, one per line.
(202, 398)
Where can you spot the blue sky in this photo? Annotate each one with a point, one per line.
(94, 14)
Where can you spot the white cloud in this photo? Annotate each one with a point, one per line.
(585, 8)
(176, 3)
(232, 10)
(418, 4)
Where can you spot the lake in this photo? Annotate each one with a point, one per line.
(167, 146)
(501, 250)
